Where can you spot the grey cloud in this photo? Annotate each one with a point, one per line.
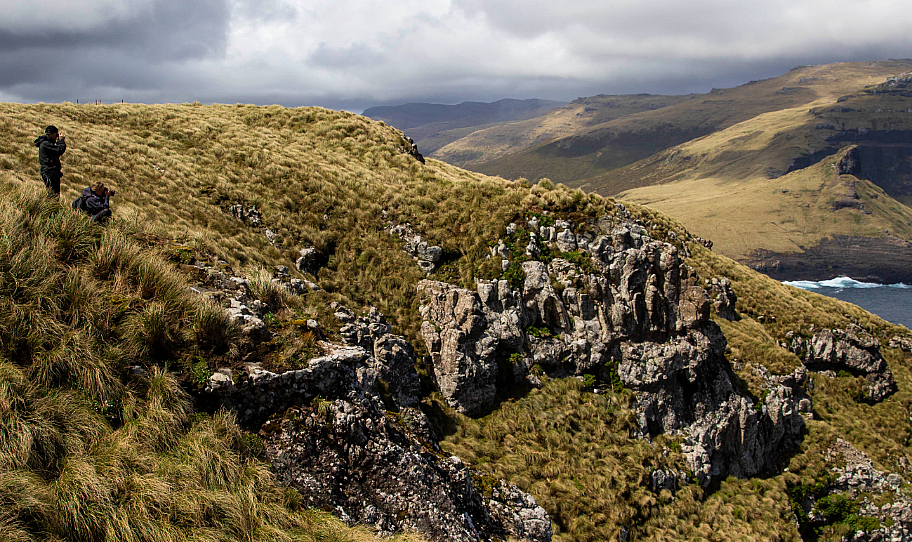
(265, 11)
(297, 52)
(127, 54)
(355, 56)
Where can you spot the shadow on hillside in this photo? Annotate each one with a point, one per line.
(443, 417)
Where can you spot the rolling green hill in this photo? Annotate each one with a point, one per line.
(104, 348)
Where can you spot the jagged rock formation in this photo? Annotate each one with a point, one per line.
(724, 299)
(309, 261)
(858, 484)
(853, 350)
(904, 343)
(249, 215)
(635, 309)
(347, 431)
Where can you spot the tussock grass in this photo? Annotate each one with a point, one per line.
(319, 178)
(86, 454)
(573, 451)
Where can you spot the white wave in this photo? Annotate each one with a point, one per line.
(803, 284)
(841, 282)
(846, 282)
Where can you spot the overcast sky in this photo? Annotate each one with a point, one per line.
(352, 54)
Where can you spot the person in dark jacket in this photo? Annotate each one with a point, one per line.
(97, 201)
(50, 146)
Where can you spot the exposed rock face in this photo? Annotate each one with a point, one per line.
(348, 433)
(724, 299)
(309, 261)
(904, 343)
(412, 150)
(853, 350)
(849, 164)
(640, 312)
(860, 484)
(374, 467)
(250, 215)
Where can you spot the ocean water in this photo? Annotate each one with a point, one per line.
(892, 302)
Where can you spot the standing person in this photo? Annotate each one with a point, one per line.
(50, 146)
(97, 201)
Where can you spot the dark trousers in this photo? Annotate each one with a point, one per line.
(52, 182)
(102, 217)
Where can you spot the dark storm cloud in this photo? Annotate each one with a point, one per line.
(356, 53)
(166, 30)
(134, 50)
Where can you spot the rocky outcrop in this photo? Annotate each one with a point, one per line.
(902, 342)
(412, 150)
(724, 299)
(851, 350)
(379, 468)
(309, 260)
(630, 307)
(348, 433)
(849, 163)
(220, 284)
(876, 503)
(249, 215)
(427, 256)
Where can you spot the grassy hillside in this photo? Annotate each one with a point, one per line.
(484, 144)
(98, 439)
(334, 181)
(435, 125)
(785, 214)
(733, 164)
(595, 150)
(730, 187)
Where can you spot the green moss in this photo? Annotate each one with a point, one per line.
(515, 276)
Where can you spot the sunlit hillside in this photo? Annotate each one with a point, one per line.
(88, 453)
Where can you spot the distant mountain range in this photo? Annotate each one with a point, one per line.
(805, 175)
(436, 125)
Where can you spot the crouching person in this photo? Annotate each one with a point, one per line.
(96, 202)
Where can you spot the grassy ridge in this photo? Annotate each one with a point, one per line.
(334, 181)
(331, 180)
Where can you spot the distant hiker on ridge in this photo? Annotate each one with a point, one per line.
(49, 151)
(95, 200)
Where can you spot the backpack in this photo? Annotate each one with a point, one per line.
(80, 204)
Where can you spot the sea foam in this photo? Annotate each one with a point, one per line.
(840, 282)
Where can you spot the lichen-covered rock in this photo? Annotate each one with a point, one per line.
(860, 486)
(724, 299)
(373, 467)
(636, 307)
(348, 433)
(903, 342)
(462, 351)
(853, 350)
(308, 260)
(427, 256)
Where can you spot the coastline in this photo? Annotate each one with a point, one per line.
(884, 260)
(892, 302)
